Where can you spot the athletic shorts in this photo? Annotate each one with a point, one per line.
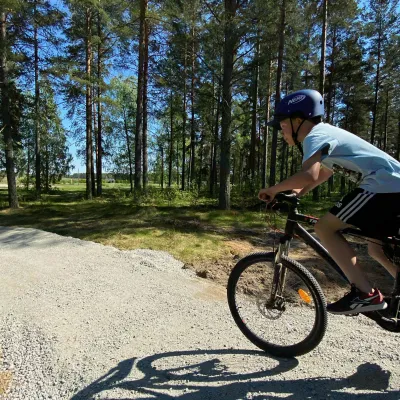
(376, 214)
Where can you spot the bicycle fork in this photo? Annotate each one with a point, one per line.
(278, 284)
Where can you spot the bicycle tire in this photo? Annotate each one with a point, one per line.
(238, 294)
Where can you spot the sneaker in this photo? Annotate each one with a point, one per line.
(358, 302)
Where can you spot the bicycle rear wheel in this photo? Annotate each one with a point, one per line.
(279, 308)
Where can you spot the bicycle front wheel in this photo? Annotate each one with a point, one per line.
(279, 308)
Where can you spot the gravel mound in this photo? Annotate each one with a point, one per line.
(79, 320)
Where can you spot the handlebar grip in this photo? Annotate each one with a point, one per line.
(289, 198)
(265, 197)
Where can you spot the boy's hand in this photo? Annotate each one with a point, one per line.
(297, 191)
(267, 194)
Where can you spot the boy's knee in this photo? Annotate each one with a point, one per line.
(328, 224)
(321, 227)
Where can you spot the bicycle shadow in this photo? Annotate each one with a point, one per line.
(187, 380)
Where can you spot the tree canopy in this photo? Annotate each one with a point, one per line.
(178, 93)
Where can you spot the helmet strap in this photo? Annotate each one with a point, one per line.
(295, 134)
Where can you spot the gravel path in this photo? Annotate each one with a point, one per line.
(79, 320)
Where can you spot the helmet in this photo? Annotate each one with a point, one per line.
(306, 103)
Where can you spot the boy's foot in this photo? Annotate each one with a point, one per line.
(358, 302)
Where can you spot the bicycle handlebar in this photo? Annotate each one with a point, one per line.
(291, 198)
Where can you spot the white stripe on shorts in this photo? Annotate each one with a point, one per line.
(357, 207)
(359, 197)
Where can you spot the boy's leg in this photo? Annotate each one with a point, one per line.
(327, 230)
(362, 297)
(376, 252)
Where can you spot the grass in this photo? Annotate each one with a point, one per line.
(191, 228)
(192, 233)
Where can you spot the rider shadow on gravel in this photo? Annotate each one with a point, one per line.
(211, 379)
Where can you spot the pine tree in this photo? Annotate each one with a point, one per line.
(10, 98)
(382, 18)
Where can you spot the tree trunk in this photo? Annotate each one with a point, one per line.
(264, 167)
(385, 128)
(139, 108)
(234, 171)
(293, 165)
(283, 160)
(323, 48)
(145, 84)
(89, 139)
(330, 110)
(213, 174)
(184, 120)
(46, 170)
(272, 173)
(177, 163)
(287, 161)
(128, 146)
(241, 162)
(199, 175)
(329, 119)
(306, 74)
(37, 96)
(162, 167)
(28, 166)
(253, 138)
(171, 142)
(316, 194)
(377, 82)
(192, 120)
(230, 41)
(95, 133)
(6, 116)
(99, 158)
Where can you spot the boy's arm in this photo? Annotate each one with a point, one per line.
(306, 177)
(324, 175)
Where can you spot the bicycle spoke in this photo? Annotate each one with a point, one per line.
(293, 316)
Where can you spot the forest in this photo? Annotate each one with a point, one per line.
(177, 93)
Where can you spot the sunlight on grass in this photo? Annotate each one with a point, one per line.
(192, 229)
(248, 219)
(187, 247)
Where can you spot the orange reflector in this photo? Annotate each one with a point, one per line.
(304, 296)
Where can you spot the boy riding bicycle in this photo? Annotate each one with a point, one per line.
(374, 206)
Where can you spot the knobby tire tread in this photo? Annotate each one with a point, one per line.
(318, 331)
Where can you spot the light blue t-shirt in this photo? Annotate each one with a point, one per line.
(378, 172)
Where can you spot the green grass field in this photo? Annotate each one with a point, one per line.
(188, 226)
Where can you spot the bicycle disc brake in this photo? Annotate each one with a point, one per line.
(271, 311)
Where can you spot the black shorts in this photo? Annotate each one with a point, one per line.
(377, 214)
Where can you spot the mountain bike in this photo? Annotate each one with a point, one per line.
(279, 305)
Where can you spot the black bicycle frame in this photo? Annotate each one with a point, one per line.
(294, 228)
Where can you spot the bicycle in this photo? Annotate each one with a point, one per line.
(268, 287)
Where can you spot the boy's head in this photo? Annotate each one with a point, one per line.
(296, 109)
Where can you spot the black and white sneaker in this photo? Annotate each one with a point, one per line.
(356, 302)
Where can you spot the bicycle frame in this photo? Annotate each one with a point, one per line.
(293, 228)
